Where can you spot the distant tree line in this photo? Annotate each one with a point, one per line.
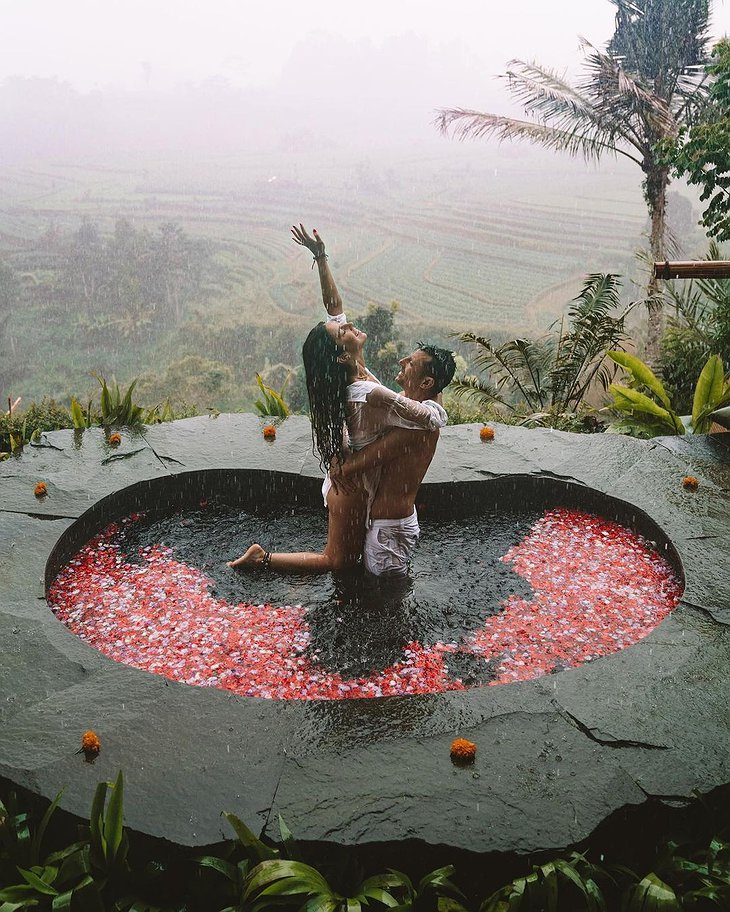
(133, 280)
(99, 290)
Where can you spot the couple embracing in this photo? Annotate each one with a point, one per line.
(376, 445)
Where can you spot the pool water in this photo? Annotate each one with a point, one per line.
(493, 598)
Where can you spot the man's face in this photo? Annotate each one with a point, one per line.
(414, 371)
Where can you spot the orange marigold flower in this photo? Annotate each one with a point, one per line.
(90, 744)
(690, 482)
(463, 751)
(269, 432)
(115, 439)
(486, 433)
(40, 489)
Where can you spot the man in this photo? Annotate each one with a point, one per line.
(404, 456)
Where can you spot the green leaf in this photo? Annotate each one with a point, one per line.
(226, 868)
(320, 904)
(19, 893)
(96, 834)
(77, 415)
(66, 852)
(14, 906)
(40, 832)
(83, 898)
(76, 865)
(631, 400)
(391, 878)
(288, 841)
(39, 884)
(248, 840)
(266, 872)
(437, 877)
(113, 824)
(106, 403)
(642, 374)
(287, 886)
(652, 895)
(381, 896)
(708, 393)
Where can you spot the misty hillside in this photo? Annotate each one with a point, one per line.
(140, 230)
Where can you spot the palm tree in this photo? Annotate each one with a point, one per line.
(639, 91)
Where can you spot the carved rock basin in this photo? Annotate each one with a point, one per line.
(557, 754)
(497, 594)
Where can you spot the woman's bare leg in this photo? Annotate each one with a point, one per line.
(345, 537)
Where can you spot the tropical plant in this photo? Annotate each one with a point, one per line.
(117, 408)
(698, 327)
(98, 871)
(646, 409)
(19, 428)
(635, 94)
(701, 152)
(75, 876)
(264, 879)
(550, 376)
(571, 883)
(271, 403)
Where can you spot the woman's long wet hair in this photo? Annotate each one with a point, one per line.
(327, 382)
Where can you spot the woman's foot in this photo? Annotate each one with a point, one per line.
(255, 556)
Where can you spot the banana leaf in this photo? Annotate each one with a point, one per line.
(630, 400)
(642, 374)
(708, 392)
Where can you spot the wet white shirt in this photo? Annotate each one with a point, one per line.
(373, 408)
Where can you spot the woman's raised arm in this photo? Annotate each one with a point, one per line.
(330, 295)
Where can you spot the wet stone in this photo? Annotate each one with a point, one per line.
(559, 750)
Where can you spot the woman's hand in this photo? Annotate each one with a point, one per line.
(314, 244)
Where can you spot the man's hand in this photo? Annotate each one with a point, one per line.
(314, 244)
(343, 483)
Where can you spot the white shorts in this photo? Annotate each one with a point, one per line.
(389, 544)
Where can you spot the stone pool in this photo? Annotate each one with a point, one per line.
(582, 729)
(497, 596)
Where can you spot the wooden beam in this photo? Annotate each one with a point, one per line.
(693, 269)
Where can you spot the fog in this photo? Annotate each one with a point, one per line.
(154, 154)
(80, 79)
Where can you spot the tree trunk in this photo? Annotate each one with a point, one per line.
(657, 180)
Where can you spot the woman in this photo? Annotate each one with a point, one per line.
(348, 407)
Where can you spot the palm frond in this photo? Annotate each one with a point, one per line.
(475, 389)
(618, 96)
(468, 124)
(593, 330)
(547, 97)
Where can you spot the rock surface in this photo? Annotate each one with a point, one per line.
(556, 756)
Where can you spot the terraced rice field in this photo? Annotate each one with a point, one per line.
(482, 246)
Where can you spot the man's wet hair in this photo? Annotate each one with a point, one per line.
(441, 367)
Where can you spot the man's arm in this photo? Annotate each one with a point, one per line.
(396, 443)
(428, 415)
(330, 295)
